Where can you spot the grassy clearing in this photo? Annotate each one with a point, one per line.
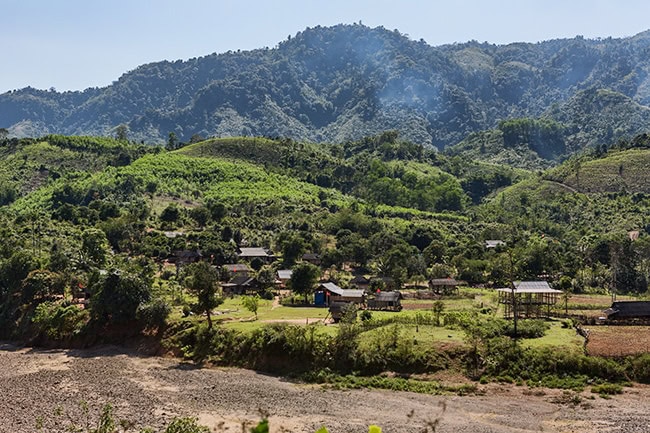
(557, 336)
(423, 335)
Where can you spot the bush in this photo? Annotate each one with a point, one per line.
(59, 321)
(153, 315)
(365, 315)
(639, 368)
(607, 389)
(527, 329)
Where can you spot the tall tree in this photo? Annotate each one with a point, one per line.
(94, 247)
(117, 296)
(304, 278)
(202, 280)
(122, 132)
(172, 141)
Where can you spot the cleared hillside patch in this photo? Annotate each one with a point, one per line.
(620, 171)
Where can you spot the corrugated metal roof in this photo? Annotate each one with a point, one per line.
(388, 296)
(285, 274)
(333, 288)
(241, 280)
(253, 252)
(443, 282)
(359, 279)
(629, 309)
(352, 293)
(531, 287)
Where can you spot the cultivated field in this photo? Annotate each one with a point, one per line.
(618, 340)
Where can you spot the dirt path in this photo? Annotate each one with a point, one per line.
(151, 391)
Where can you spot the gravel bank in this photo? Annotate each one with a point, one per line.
(151, 391)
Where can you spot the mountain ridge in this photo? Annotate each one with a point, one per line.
(342, 83)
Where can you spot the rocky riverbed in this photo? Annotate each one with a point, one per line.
(46, 387)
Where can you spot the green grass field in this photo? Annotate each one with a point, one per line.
(233, 315)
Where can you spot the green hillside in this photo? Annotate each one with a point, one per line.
(115, 231)
(341, 83)
(620, 171)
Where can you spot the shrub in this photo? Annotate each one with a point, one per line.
(59, 321)
(186, 425)
(153, 315)
(639, 368)
(365, 315)
(527, 329)
(607, 389)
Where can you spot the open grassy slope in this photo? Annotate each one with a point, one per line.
(619, 171)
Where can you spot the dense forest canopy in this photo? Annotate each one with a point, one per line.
(340, 83)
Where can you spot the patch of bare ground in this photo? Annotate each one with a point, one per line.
(618, 341)
(151, 391)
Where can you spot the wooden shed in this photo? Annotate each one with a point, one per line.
(389, 301)
(250, 253)
(444, 286)
(360, 281)
(629, 311)
(528, 299)
(240, 284)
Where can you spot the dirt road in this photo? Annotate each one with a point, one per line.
(151, 391)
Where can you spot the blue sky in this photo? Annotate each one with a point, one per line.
(75, 44)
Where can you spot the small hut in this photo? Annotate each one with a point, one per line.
(528, 299)
(360, 281)
(185, 257)
(240, 284)
(389, 301)
(330, 292)
(444, 286)
(283, 277)
(312, 258)
(250, 253)
(237, 269)
(634, 312)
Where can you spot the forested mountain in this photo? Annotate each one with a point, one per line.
(348, 81)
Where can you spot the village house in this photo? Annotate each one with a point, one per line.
(185, 257)
(283, 277)
(628, 311)
(389, 301)
(312, 258)
(255, 253)
(360, 282)
(444, 286)
(240, 285)
(237, 269)
(330, 292)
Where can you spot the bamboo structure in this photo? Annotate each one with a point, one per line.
(529, 299)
